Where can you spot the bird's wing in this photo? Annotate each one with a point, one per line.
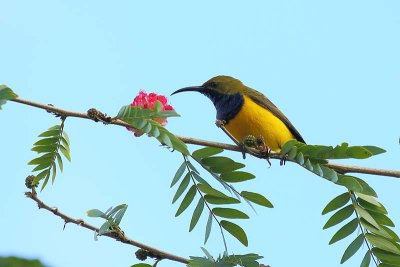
(263, 101)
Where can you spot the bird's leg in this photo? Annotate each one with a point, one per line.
(283, 160)
(221, 124)
(263, 148)
(249, 141)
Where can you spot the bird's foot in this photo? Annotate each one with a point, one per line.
(283, 160)
(249, 141)
(220, 123)
(265, 151)
(259, 144)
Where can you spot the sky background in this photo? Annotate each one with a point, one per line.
(333, 67)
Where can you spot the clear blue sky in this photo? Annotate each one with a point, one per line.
(333, 67)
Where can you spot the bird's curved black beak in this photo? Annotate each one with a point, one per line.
(189, 89)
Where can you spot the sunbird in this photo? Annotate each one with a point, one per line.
(246, 113)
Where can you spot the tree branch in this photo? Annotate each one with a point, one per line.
(341, 168)
(117, 235)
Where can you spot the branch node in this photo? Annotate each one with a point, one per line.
(97, 116)
(56, 114)
(142, 254)
(29, 182)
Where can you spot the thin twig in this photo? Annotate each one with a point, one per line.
(341, 168)
(118, 236)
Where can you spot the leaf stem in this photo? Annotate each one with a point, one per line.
(207, 205)
(363, 231)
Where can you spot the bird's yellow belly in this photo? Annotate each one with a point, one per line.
(255, 120)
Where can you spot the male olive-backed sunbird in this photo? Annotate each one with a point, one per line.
(246, 112)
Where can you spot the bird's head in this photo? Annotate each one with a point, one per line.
(219, 85)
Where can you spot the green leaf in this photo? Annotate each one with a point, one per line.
(205, 188)
(257, 199)
(386, 256)
(230, 213)
(288, 146)
(300, 158)
(155, 132)
(158, 106)
(40, 176)
(208, 254)
(246, 260)
(368, 206)
(374, 150)
(41, 166)
(46, 158)
(141, 265)
(54, 172)
(44, 149)
(178, 174)
(95, 213)
(355, 184)
(329, 174)
(317, 169)
(186, 200)
(236, 231)
(221, 164)
(382, 243)
(164, 138)
(192, 167)
(6, 94)
(208, 227)
(358, 152)
(200, 262)
(365, 215)
(196, 214)
(130, 114)
(372, 229)
(65, 152)
(59, 161)
(345, 231)
(64, 142)
(105, 227)
(120, 214)
(47, 141)
(337, 203)
(182, 187)
(237, 176)
(342, 151)
(143, 119)
(366, 260)
(206, 152)
(369, 199)
(176, 143)
(339, 216)
(387, 265)
(292, 153)
(46, 179)
(112, 211)
(198, 178)
(392, 234)
(308, 165)
(49, 133)
(220, 200)
(352, 248)
(381, 218)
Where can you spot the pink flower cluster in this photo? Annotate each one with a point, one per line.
(148, 101)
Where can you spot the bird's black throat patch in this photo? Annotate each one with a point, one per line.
(227, 106)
